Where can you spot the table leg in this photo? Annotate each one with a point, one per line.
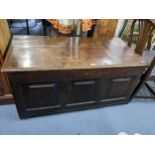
(27, 27)
(44, 24)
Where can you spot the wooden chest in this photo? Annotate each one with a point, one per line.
(50, 75)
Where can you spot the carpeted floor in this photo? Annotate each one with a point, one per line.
(137, 116)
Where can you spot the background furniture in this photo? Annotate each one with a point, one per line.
(27, 26)
(74, 27)
(105, 28)
(94, 28)
(146, 29)
(5, 36)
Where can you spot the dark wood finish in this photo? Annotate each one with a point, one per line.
(56, 91)
(30, 53)
(46, 76)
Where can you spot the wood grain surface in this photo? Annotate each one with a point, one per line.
(38, 53)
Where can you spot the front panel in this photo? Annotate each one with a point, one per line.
(41, 95)
(82, 92)
(36, 94)
(118, 88)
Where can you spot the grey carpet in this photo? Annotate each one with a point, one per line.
(137, 116)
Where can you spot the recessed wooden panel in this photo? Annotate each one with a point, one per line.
(118, 88)
(83, 92)
(37, 93)
(42, 95)
(1, 91)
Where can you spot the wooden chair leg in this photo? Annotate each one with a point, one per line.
(131, 33)
(44, 24)
(145, 97)
(123, 28)
(149, 42)
(27, 27)
(149, 88)
(144, 78)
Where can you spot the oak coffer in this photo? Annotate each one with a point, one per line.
(50, 75)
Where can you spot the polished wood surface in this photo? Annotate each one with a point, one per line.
(36, 53)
